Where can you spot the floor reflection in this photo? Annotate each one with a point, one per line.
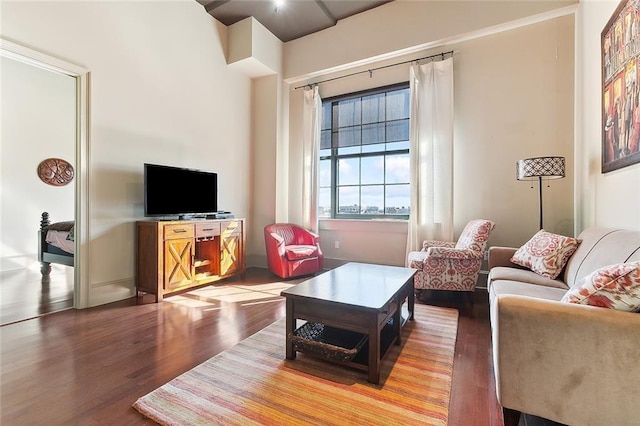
(26, 294)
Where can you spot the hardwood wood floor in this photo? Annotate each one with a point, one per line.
(26, 294)
(88, 366)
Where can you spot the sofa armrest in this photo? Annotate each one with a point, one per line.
(500, 256)
(571, 363)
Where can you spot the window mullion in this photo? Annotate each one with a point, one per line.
(334, 159)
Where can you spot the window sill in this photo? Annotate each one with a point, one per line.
(358, 225)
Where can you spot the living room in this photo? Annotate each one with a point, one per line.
(162, 91)
(521, 73)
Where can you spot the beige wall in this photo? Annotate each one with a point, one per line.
(161, 92)
(513, 100)
(38, 122)
(403, 26)
(611, 199)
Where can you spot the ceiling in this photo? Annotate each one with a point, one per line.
(292, 20)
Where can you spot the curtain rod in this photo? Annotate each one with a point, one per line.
(370, 71)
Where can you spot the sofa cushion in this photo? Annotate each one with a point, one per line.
(614, 286)
(600, 247)
(546, 253)
(524, 275)
(300, 252)
(504, 287)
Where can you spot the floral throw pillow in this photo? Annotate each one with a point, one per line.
(614, 287)
(546, 253)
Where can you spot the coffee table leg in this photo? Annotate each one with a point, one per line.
(374, 350)
(290, 328)
(397, 321)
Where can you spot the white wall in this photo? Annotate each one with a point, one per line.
(513, 100)
(161, 92)
(263, 158)
(38, 122)
(605, 199)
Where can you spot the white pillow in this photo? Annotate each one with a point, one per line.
(613, 286)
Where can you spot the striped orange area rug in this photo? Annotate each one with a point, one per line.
(253, 384)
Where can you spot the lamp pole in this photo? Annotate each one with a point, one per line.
(539, 167)
(540, 198)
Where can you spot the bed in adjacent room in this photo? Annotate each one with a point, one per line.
(55, 243)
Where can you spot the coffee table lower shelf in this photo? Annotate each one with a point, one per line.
(338, 345)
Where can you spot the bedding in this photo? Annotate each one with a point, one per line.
(60, 239)
(55, 243)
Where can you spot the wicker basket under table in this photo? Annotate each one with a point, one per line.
(331, 343)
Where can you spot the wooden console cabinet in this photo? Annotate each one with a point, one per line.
(177, 255)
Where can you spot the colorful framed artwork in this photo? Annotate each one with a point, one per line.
(620, 43)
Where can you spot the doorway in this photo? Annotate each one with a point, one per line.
(19, 229)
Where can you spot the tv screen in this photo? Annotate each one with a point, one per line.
(177, 191)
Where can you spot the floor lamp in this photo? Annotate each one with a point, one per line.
(537, 168)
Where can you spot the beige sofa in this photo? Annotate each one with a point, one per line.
(574, 364)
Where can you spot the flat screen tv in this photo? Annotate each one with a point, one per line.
(177, 191)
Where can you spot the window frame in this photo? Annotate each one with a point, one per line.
(334, 158)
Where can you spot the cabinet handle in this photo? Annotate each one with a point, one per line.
(179, 231)
(207, 229)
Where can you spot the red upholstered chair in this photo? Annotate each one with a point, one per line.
(292, 250)
(444, 265)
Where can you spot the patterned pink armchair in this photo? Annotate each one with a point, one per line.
(452, 266)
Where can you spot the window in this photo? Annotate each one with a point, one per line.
(364, 155)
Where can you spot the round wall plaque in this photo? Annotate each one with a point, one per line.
(55, 171)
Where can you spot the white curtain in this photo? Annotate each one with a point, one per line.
(431, 151)
(312, 114)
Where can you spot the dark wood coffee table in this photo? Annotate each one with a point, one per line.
(356, 299)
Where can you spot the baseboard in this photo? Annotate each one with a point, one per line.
(111, 291)
(256, 261)
(260, 261)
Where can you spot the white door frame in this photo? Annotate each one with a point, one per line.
(33, 57)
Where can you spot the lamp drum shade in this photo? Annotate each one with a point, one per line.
(537, 167)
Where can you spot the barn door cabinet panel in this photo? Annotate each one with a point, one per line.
(173, 256)
(178, 263)
(231, 248)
